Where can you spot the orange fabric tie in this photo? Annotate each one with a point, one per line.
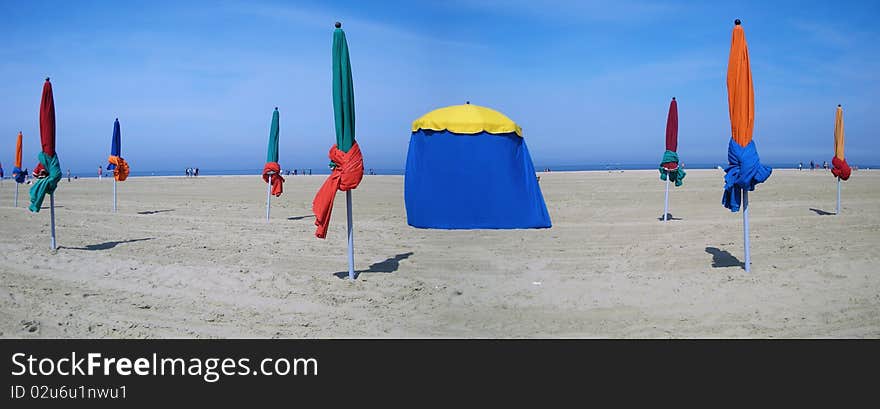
(277, 180)
(121, 171)
(346, 176)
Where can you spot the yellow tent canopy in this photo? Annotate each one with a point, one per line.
(466, 119)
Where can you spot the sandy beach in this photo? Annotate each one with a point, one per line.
(195, 258)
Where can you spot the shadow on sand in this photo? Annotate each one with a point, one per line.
(669, 217)
(821, 212)
(301, 217)
(388, 265)
(105, 246)
(723, 258)
(156, 211)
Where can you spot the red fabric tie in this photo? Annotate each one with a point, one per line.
(840, 168)
(346, 176)
(277, 179)
(39, 171)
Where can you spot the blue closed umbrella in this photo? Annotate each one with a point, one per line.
(115, 144)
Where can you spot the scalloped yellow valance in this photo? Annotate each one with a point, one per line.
(467, 119)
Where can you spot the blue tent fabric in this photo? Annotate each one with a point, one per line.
(115, 143)
(743, 172)
(472, 181)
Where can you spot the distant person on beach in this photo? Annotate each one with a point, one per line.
(68, 174)
(812, 165)
(800, 165)
(197, 172)
(100, 172)
(825, 164)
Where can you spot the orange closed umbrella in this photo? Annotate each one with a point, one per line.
(744, 169)
(740, 90)
(18, 174)
(839, 167)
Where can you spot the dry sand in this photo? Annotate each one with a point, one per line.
(195, 258)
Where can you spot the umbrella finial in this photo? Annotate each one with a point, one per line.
(838, 105)
(276, 108)
(338, 25)
(673, 98)
(47, 78)
(467, 102)
(737, 22)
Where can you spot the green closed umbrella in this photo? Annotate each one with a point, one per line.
(346, 159)
(343, 91)
(272, 152)
(343, 114)
(272, 170)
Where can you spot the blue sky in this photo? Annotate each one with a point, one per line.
(194, 83)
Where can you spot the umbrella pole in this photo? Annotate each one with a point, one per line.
(16, 195)
(666, 201)
(748, 261)
(350, 236)
(52, 217)
(838, 196)
(268, 196)
(114, 195)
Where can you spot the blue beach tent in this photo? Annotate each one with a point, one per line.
(468, 167)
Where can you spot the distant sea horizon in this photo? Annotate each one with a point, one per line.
(401, 171)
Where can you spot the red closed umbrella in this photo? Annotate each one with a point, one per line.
(48, 172)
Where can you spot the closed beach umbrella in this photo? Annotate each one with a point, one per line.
(839, 167)
(17, 173)
(744, 169)
(48, 172)
(347, 163)
(272, 170)
(118, 165)
(670, 171)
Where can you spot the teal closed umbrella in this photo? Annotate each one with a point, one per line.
(272, 170)
(346, 160)
(343, 92)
